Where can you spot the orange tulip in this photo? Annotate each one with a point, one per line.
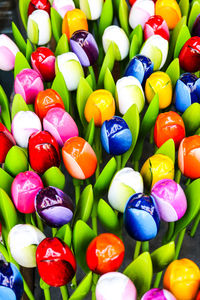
(169, 10)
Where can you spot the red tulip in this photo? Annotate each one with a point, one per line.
(39, 4)
(6, 142)
(156, 25)
(189, 56)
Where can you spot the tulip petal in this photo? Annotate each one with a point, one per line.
(182, 96)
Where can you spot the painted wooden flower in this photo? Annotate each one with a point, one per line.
(156, 25)
(8, 51)
(189, 56)
(158, 294)
(169, 10)
(140, 12)
(92, 8)
(6, 142)
(63, 6)
(39, 4)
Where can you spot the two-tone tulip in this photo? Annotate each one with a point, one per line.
(8, 51)
(156, 25)
(39, 4)
(63, 6)
(6, 141)
(157, 294)
(92, 8)
(140, 12)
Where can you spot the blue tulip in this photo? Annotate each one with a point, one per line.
(187, 91)
(141, 217)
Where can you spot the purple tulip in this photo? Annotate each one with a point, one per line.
(8, 51)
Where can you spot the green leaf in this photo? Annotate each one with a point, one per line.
(108, 62)
(82, 236)
(33, 31)
(16, 161)
(83, 92)
(109, 83)
(54, 177)
(134, 47)
(5, 181)
(138, 31)
(18, 105)
(106, 16)
(89, 135)
(193, 14)
(56, 23)
(90, 81)
(183, 36)
(85, 203)
(5, 109)
(44, 285)
(163, 256)
(107, 216)
(123, 16)
(140, 271)
(29, 50)
(83, 288)
(132, 119)
(184, 6)
(191, 118)
(19, 40)
(173, 71)
(60, 87)
(23, 9)
(62, 45)
(92, 73)
(21, 63)
(65, 234)
(168, 149)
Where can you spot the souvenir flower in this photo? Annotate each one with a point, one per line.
(128, 92)
(189, 56)
(24, 188)
(182, 279)
(157, 167)
(125, 183)
(170, 200)
(53, 206)
(55, 261)
(43, 151)
(74, 20)
(159, 82)
(47, 100)
(100, 106)
(79, 158)
(158, 294)
(169, 11)
(187, 91)
(116, 35)
(23, 240)
(105, 253)
(140, 12)
(39, 4)
(11, 281)
(196, 27)
(141, 217)
(92, 8)
(116, 136)
(70, 67)
(43, 61)
(23, 125)
(156, 48)
(115, 285)
(39, 27)
(8, 51)
(63, 6)
(16, 161)
(60, 124)
(6, 142)
(28, 84)
(169, 125)
(156, 25)
(85, 47)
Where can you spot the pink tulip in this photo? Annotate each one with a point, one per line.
(8, 51)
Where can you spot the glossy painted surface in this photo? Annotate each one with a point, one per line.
(63, 6)
(169, 125)
(6, 142)
(189, 56)
(116, 136)
(55, 261)
(24, 188)
(170, 199)
(8, 51)
(140, 12)
(156, 25)
(188, 156)
(182, 278)
(158, 294)
(101, 106)
(43, 151)
(115, 285)
(105, 253)
(85, 47)
(46, 100)
(169, 10)
(92, 8)
(141, 217)
(54, 207)
(79, 158)
(28, 84)
(39, 4)
(11, 282)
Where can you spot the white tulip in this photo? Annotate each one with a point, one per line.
(140, 12)
(91, 8)
(63, 6)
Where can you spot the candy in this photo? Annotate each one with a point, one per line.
(91, 8)
(189, 56)
(158, 294)
(156, 25)
(169, 10)
(140, 12)
(63, 6)
(8, 51)
(39, 4)
(6, 142)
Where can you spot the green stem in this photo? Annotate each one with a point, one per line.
(91, 70)
(195, 225)
(77, 194)
(47, 294)
(4, 252)
(28, 291)
(137, 249)
(179, 243)
(145, 246)
(136, 165)
(169, 232)
(94, 225)
(54, 231)
(188, 182)
(157, 280)
(93, 288)
(118, 160)
(178, 176)
(28, 218)
(39, 223)
(64, 292)
(151, 135)
(74, 283)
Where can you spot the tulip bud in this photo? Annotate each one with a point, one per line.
(43, 151)
(187, 91)
(156, 48)
(70, 67)
(105, 253)
(116, 285)
(116, 35)
(141, 217)
(189, 56)
(8, 51)
(23, 240)
(85, 47)
(182, 279)
(39, 27)
(54, 207)
(16, 161)
(28, 84)
(169, 11)
(92, 8)
(79, 158)
(156, 25)
(128, 92)
(100, 106)
(6, 142)
(63, 6)
(39, 4)
(125, 183)
(23, 125)
(24, 188)
(55, 261)
(11, 282)
(43, 61)
(140, 12)
(60, 124)
(158, 294)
